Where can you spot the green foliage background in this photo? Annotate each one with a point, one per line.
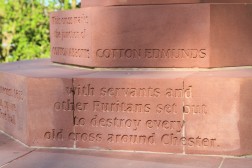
(24, 27)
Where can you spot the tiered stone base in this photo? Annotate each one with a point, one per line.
(197, 111)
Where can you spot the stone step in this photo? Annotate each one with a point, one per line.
(197, 111)
(178, 35)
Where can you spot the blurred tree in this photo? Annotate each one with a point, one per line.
(66, 4)
(25, 28)
(69, 4)
(1, 25)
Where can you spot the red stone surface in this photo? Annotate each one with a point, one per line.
(171, 111)
(187, 35)
(13, 105)
(129, 113)
(88, 3)
(217, 114)
(28, 92)
(193, 112)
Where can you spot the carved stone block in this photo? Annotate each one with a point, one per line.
(90, 3)
(178, 35)
(175, 111)
(28, 93)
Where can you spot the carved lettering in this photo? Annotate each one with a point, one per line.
(70, 19)
(81, 90)
(165, 125)
(171, 139)
(115, 122)
(122, 107)
(54, 135)
(151, 53)
(166, 109)
(115, 116)
(64, 34)
(179, 93)
(132, 139)
(79, 121)
(71, 52)
(130, 92)
(195, 109)
(11, 92)
(68, 105)
(8, 111)
(85, 137)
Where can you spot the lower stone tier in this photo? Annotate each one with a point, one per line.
(158, 110)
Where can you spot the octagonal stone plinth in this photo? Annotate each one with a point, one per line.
(172, 111)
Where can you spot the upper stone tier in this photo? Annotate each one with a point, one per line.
(169, 35)
(88, 3)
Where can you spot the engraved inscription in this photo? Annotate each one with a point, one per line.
(67, 29)
(9, 100)
(121, 107)
(8, 111)
(68, 105)
(165, 125)
(70, 19)
(195, 109)
(130, 92)
(171, 139)
(116, 122)
(64, 34)
(132, 139)
(54, 135)
(151, 53)
(84, 90)
(72, 52)
(81, 30)
(179, 92)
(11, 92)
(85, 137)
(148, 116)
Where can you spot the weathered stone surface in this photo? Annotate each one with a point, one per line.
(129, 111)
(218, 114)
(173, 111)
(88, 3)
(28, 91)
(187, 35)
(13, 105)
(181, 112)
(132, 36)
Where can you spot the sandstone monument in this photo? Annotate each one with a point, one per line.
(149, 75)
